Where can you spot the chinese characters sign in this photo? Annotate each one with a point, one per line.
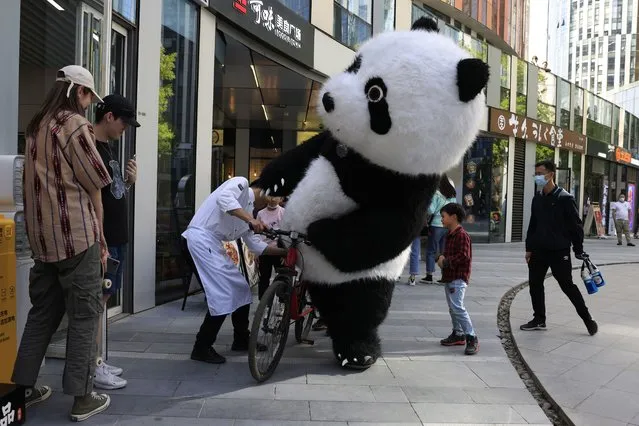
(511, 124)
(273, 23)
(623, 156)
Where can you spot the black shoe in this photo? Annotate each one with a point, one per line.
(533, 325)
(319, 325)
(427, 279)
(631, 245)
(453, 340)
(592, 327)
(472, 345)
(243, 345)
(36, 394)
(619, 244)
(210, 356)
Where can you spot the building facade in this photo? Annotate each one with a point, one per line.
(223, 86)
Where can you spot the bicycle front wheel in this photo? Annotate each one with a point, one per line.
(270, 328)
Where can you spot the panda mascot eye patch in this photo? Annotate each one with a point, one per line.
(401, 114)
(380, 119)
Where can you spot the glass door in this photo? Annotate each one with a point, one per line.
(117, 83)
(89, 48)
(563, 179)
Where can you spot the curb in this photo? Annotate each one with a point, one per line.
(551, 408)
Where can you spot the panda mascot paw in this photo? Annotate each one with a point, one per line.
(401, 115)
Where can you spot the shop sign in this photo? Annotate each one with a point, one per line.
(623, 156)
(273, 23)
(511, 124)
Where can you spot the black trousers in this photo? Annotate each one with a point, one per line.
(560, 265)
(212, 324)
(267, 263)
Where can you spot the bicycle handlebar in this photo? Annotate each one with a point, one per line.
(274, 233)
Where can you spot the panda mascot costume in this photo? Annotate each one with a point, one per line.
(404, 112)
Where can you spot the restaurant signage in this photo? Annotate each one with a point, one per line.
(511, 124)
(273, 23)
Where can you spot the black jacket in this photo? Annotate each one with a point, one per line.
(555, 223)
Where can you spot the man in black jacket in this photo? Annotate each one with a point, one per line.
(554, 225)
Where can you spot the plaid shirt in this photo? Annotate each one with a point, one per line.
(458, 252)
(62, 167)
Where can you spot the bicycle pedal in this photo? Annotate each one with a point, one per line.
(308, 341)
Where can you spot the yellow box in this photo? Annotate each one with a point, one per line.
(8, 329)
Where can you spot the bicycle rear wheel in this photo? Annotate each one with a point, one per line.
(304, 324)
(270, 327)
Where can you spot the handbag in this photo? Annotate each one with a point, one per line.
(425, 229)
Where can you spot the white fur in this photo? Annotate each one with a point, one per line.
(319, 196)
(431, 127)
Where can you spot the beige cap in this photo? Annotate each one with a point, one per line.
(75, 74)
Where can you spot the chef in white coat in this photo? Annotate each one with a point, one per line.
(225, 216)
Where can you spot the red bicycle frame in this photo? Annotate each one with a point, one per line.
(290, 262)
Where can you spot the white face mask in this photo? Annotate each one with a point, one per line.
(621, 199)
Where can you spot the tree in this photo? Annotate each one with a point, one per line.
(167, 76)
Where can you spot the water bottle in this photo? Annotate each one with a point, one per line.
(591, 287)
(597, 278)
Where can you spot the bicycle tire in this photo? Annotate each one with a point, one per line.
(269, 295)
(304, 324)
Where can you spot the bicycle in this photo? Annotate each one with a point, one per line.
(285, 301)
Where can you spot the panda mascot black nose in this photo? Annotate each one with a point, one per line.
(328, 102)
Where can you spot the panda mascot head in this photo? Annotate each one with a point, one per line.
(411, 101)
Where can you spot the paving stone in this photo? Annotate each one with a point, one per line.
(494, 374)
(568, 393)
(593, 373)
(532, 413)
(170, 421)
(362, 411)
(616, 357)
(306, 392)
(627, 381)
(129, 346)
(441, 374)
(437, 394)
(155, 406)
(467, 413)
(171, 348)
(255, 409)
(611, 404)
(500, 396)
(389, 394)
(577, 350)
(214, 389)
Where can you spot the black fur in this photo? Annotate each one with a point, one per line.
(472, 76)
(380, 118)
(426, 24)
(328, 102)
(353, 311)
(357, 63)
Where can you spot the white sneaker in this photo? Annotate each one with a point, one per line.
(104, 379)
(411, 280)
(116, 371)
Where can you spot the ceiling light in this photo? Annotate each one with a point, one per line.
(265, 114)
(257, 83)
(56, 5)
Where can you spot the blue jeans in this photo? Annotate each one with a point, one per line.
(455, 292)
(436, 241)
(117, 253)
(415, 252)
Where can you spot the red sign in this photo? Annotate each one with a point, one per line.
(240, 5)
(511, 124)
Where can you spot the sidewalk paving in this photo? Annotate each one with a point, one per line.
(417, 381)
(593, 378)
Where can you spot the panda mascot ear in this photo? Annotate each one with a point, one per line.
(426, 24)
(472, 76)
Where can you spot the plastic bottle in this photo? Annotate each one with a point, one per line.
(591, 287)
(597, 278)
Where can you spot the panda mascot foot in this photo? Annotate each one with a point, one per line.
(357, 355)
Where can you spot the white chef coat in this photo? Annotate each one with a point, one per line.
(621, 210)
(225, 286)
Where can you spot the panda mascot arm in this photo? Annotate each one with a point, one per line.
(280, 176)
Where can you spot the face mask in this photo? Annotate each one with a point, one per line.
(541, 180)
(621, 200)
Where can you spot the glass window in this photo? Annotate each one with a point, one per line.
(504, 101)
(578, 108)
(615, 125)
(522, 86)
(576, 174)
(599, 118)
(544, 152)
(563, 101)
(499, 191)
(389, 15)
(176, 141)
(301, 7)
(126, 8)
(546, 96)
(352, 22)
(477, 184)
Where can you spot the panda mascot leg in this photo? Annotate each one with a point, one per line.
(353, 311)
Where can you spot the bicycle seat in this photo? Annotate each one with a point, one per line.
(286, 272)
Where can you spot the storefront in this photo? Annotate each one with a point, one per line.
(610, 171)
(513, 133)
(264, 96)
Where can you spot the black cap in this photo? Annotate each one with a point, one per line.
(120, 107)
